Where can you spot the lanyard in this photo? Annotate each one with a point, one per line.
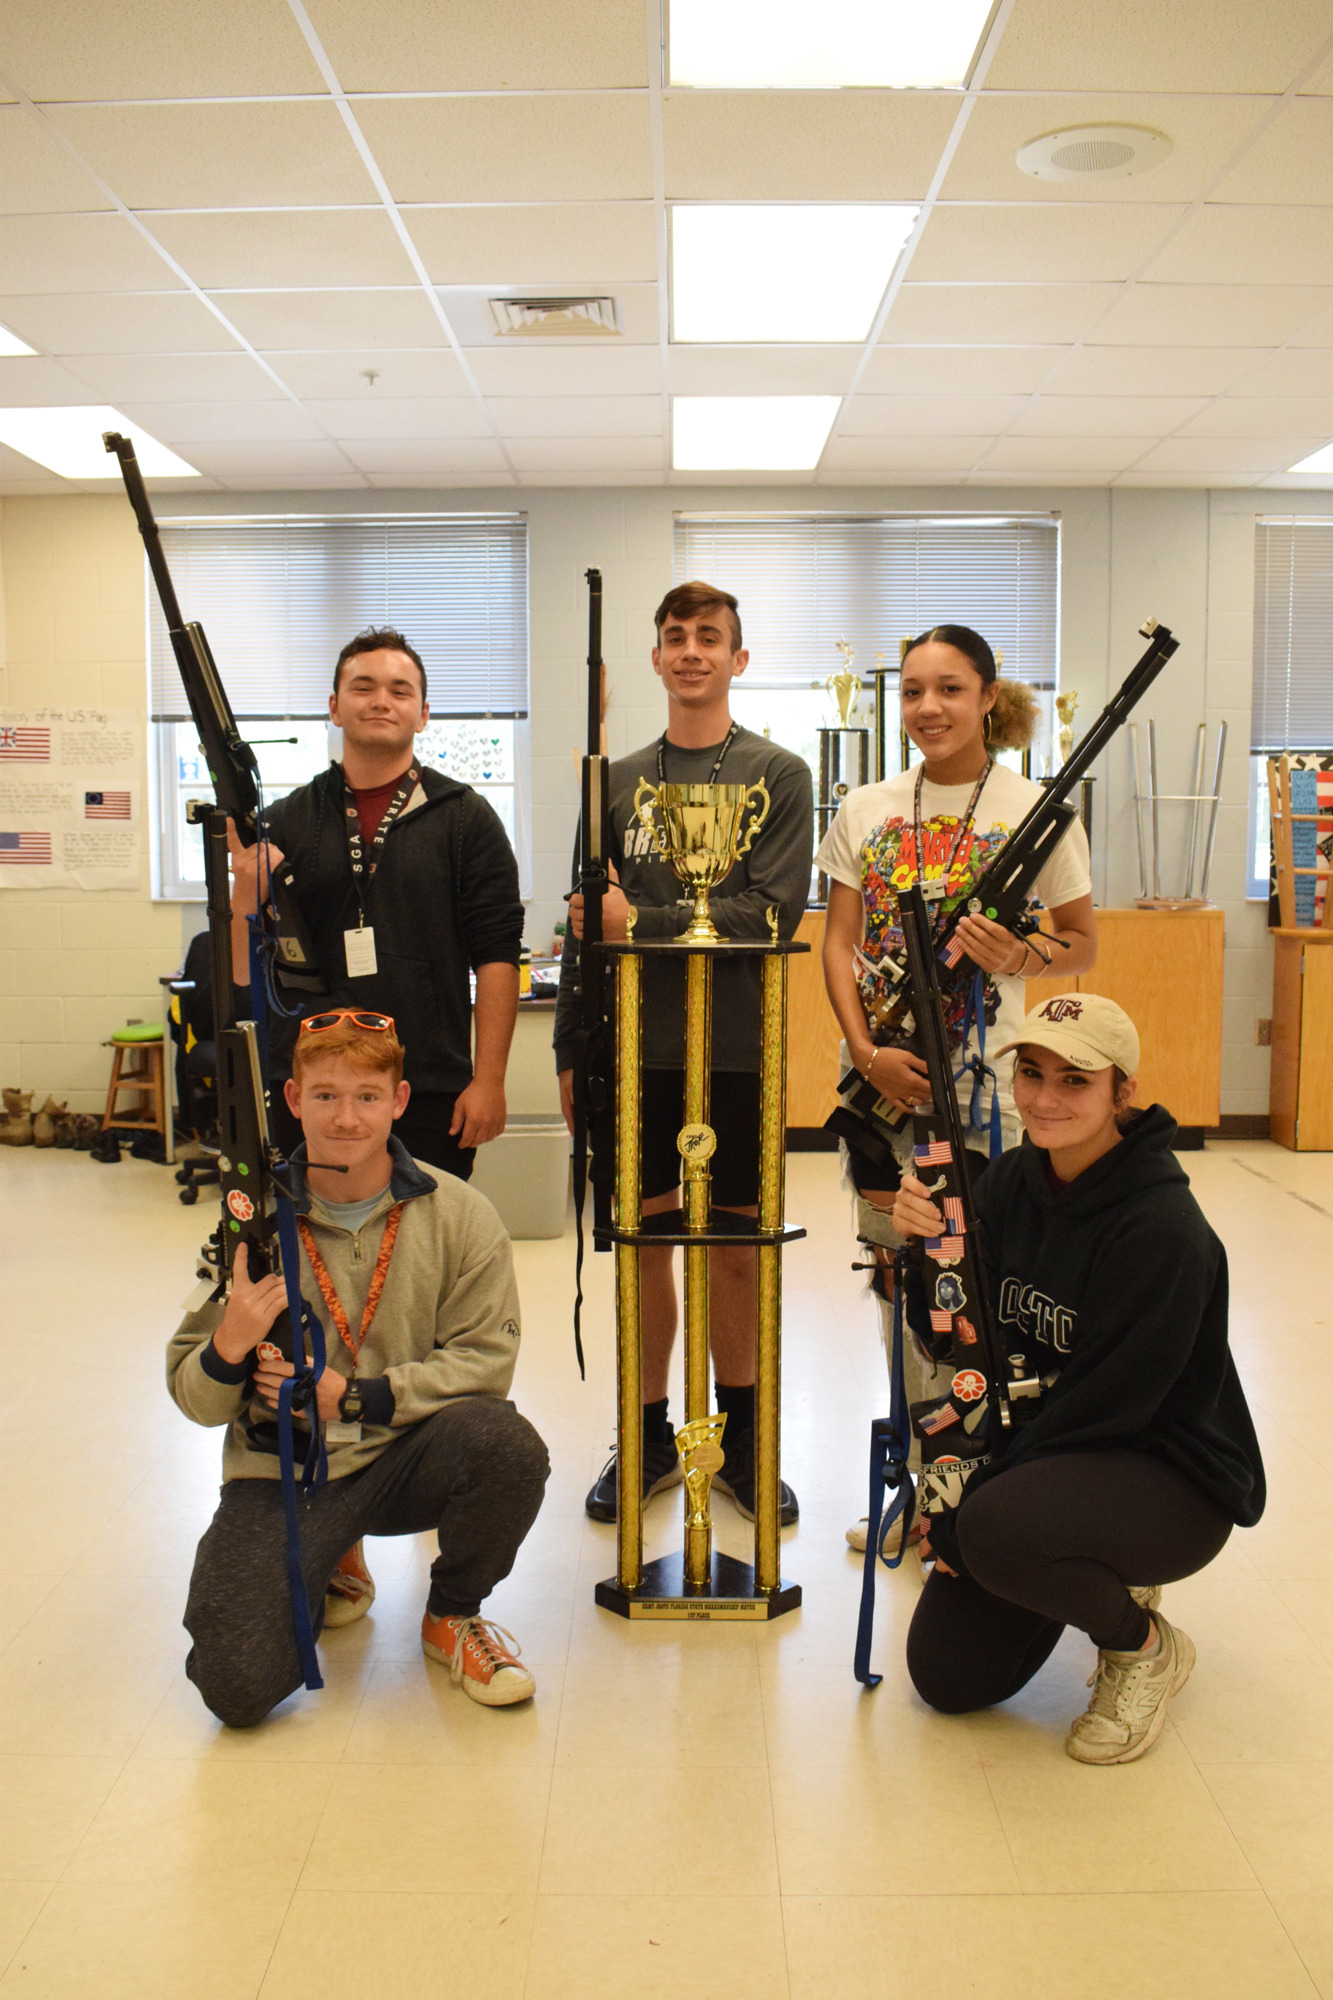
(407, 784)
(712, 775)
(958, 839)
(325, 1282)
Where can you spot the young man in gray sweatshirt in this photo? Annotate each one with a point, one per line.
(697, 657)
(412, 1278)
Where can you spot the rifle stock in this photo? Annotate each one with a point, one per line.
(594, 1053)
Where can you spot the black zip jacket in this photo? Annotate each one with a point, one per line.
(1119, 1284)
(443, 900)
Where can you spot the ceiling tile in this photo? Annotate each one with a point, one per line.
(558, 147)
(184, 425)
(1150, 371)
(599, 243)
(1291, 161)
(485, 44)
(762, 371)
(219, 155)
(928, 416)
(324, 247)
(1210, 315)
(296, 482)
(29, 381)
(614, 476)
(230, 459)
(37, 176)
(380, 416)
(333, 319)
(1072, 243)
(977, 371)
(110, 323)
(592, 368)
(1105, 416)
(968, 314)
(580, 454)
(424, 371)
(155, 48)
(1228, 454)
(412, 456)
(1305, 371)
(79, 253)
(1263, 416)
(799, 145)
(469, 316)
(908, 454)
(426, 482)
(162, 378)
(1191, 45)
(531, 417)
(1065, 454)
(1205, 132)
(1249, 246)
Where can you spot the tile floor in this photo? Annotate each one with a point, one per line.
(718, 1809)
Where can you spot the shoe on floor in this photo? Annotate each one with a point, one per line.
(856, 1535)
(737, 1479)
(351, 1590)
(482, 1658)
(1130, 1692)
(661, 1468)
(1149, 1595)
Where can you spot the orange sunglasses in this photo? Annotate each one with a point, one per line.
(318, 1024)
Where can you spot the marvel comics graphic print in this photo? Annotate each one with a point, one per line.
(890, 863)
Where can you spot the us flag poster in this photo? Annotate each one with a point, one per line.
(71, 798)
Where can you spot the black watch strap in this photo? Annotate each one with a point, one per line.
(349, 1409)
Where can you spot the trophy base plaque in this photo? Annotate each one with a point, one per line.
(731, 1594)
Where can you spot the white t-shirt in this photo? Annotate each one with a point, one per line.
(871, 847)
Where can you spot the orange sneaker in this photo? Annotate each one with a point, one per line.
(351, 1590)
(481, 1656)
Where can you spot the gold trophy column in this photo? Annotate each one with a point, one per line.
(629, 1318)
(768, 1318)
(696, 1146)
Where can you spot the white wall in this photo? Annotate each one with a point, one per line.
(72, 965)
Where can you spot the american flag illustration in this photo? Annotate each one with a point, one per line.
(952, 952)
(25, 746)
(946, 1249)
(939, 1153)
(938, 1420)
(106, 805)
(940, 1322)
(18, 848)
(953, 1211)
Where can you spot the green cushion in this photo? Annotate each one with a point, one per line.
(138, 1031)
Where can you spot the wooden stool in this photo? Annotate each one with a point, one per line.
(140, 1069)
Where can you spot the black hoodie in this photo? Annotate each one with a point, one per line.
(1117, 1282)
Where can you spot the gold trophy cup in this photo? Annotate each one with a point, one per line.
(1065, 704)
(700, 834)
(701, 1455)
(845, 687)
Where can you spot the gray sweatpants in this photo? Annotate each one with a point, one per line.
(474, 1473)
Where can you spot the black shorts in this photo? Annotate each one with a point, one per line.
(733, 1113)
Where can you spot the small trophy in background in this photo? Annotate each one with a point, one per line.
(846, 686)
(700, 1446)
(1065, 704)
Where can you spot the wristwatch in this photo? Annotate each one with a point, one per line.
(349, 1409)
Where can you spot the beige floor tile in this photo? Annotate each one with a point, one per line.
(412, 1713)
(1156, 1947)
(79, 1706)
(24, 1595)
(419, 1945)
(1260, 1685)
(218, 1827)
(417, 1830)
(817, 1713)
(683, 1829)
(131, 1615)
(840, 1838)
(1311, 1605)
(20, 1906)
(47, 1804)
(304, 1729)
(145, 1942)
(657, 1948)
(684, 1707)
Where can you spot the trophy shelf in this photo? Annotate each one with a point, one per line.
(730, 1597)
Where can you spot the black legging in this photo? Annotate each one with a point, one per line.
(1051, 1544)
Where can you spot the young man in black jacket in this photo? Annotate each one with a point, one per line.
(407, 883)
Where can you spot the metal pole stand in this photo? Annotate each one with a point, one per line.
(665, 1588)
(1203, 824)
(840, 750)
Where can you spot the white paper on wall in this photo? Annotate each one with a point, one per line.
(71, 806)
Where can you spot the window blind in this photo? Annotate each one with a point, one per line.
(1293, 635)
(806, 581)
(280, 598)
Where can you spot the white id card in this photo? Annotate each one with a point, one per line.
(339, 1433)
(360, 948)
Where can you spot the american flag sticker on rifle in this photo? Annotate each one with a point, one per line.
(106, 805)
(938, 1420)
(939, 1153)
(953, 1213)
(17, 849)
(952, 952)
(25, 746)
(946, 1249)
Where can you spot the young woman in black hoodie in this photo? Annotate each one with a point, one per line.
(1141, 1456)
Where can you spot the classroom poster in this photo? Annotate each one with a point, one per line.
(71, 806)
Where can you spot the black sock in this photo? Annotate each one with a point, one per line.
(736, 1405)
(656, 1429)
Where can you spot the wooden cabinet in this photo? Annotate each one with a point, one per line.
(1300, 1100)
(813, 1034)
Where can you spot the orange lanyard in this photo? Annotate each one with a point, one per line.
(379, 1274)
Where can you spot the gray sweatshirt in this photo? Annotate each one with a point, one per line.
(776, 870)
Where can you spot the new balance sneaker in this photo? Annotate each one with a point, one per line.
(482, 1659)
(737, 1479)
(661, 1468)
(351, 1590)
(1149, 1595)
(1130, 1692)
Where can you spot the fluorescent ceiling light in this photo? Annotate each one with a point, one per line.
(69, 441)
(1318, 461)
(11, 344)
(777, 272)
(750, 433)
(792, 45)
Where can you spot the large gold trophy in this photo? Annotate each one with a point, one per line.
(702, 836)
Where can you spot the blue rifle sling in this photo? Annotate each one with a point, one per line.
(890, 1443)
(976, 1066)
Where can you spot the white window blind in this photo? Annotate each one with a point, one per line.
(279, 599)
(806, 581)
(1293, 635)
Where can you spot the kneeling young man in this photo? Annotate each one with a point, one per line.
(413, 1281)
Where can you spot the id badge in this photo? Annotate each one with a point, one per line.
(360, 948)
(340, 1433)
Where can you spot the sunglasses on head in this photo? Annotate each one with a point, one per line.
(360, 1017)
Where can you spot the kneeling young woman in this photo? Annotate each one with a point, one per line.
(1141, 1456)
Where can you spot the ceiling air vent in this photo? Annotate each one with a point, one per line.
(1094, 153)
(546, 319)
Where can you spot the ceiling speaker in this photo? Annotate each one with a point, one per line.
(1094, 153)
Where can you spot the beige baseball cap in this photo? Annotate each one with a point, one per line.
(1087, 1029)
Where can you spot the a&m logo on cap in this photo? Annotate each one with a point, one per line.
(1061, 1009)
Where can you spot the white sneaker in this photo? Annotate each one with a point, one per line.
(893, 1541)
(1149, 1595)
(1130, 1692)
